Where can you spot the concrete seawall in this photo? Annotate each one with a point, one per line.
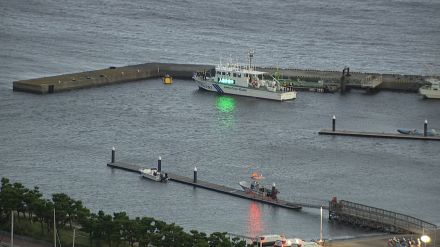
(115, 75)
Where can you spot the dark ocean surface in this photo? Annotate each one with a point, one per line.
(61, 142)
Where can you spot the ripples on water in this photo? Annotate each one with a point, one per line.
(62, 142)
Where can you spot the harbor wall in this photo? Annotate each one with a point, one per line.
(113, 75)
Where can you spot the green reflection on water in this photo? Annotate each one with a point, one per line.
(226, 106)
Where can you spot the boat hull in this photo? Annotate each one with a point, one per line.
(417, 132)
(250, 92)
(429, 93)
(151, 177)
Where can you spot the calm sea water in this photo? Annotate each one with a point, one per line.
(62, 142)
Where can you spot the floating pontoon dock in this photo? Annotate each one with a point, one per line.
(339, 211)
(378, 135)
(217, 188)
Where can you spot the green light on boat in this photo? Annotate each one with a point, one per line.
(225, 104)
(226, 81)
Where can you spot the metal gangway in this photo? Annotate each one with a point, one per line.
(376, 218)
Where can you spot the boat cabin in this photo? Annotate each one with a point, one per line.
(435, 83)
(238, 76)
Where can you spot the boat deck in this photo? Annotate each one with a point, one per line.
(219, 188)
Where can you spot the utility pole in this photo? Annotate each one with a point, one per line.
(54, 229)
(12, 228)
(73, 244)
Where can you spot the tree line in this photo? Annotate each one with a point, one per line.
(103, 229)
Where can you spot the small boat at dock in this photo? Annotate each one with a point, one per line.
(255, 187)
(153, 174)
(431, 132)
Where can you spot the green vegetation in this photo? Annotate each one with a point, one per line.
(34, 217)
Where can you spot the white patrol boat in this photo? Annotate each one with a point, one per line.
(431, 91)
(245, 81)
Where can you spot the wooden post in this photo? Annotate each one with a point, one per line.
(113, 155)
(195, 175)
(334, 123)
(425, 128)
(159, 164)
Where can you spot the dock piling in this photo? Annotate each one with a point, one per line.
(334, 123)
(274, 191)
(113, 155)
(425, 128)
(159, 164)
(195, 174)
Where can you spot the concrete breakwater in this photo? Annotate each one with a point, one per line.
(113, 75)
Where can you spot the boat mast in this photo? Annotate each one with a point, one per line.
(251, 55)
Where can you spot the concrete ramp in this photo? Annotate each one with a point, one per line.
(371, 81)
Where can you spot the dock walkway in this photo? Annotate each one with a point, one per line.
(219, 188)
(377, 135)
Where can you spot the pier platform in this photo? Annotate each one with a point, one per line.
(127, 166)
(378, 135)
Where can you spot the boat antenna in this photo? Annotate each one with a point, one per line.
(251, 55)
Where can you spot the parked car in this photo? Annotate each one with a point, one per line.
(267, 240)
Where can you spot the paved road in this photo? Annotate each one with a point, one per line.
(21, 241)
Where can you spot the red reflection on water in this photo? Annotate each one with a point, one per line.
(255, 226)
